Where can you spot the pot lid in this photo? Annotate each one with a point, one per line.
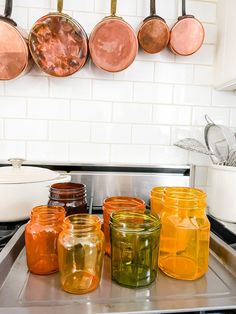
(18, 174)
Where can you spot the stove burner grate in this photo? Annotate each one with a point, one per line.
(7, 230)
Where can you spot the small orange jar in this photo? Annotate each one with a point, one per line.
(115, 203)
(185, 234)
(41, 234)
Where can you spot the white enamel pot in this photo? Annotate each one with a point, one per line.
(222, 192)
(23, 187)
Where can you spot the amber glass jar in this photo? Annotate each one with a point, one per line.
(80, 253)
(72, 196)
(185, 234)
(134, 248)
(41, 234)
(115, 203)
(157, 200)
(158, 194)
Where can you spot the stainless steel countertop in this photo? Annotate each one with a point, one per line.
(24, 293)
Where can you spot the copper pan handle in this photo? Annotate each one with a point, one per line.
(8, 8)
(113, 7)
(59, 5)
(183, 7)
(184, 15)
(153, 7)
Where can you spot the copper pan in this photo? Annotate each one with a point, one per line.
(187, 35)
(113, 43)
(15, 59)
(58, 43)
(154, 34)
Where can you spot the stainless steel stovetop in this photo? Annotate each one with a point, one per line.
(21, 292)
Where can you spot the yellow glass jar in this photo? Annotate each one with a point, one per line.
(185, 234)
(80, 253)
(157, 200)
(158, 194)
(134, 248)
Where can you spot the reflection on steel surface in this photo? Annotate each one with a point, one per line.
(58, 45)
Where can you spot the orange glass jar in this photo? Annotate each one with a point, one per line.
(41, 234)
(115, 203)
(185, 234)
(80, 253)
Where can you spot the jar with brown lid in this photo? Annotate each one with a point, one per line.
(71, 196)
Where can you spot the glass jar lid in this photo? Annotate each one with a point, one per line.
(25, 174)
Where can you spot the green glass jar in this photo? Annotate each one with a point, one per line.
(134, 248)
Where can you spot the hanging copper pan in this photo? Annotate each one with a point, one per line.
(15, 59)
(187, 35)
(58, 43)
(154, 34)
(113, 43)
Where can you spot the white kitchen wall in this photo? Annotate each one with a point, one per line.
(129, 117)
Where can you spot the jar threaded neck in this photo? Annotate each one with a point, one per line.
(48, 215)
(82, 223)
(131, 221)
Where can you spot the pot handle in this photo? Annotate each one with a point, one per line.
(184, 15)
(184, 7)
(113, 7)
(8, 8)
(61, 179)
(153, 7)
(59, 5)
(208, 119)
(7, 13)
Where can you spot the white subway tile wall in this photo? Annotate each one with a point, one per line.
(1, 88)
(1, 129)
(131, 117)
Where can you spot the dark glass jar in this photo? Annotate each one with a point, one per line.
(71, 196)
